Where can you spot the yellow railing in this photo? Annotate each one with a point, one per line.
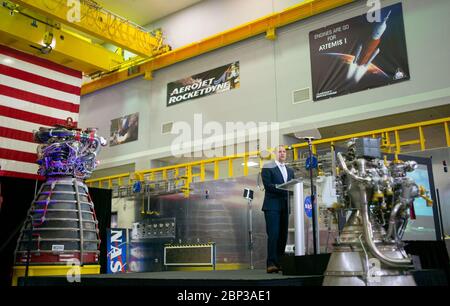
(387, 133)
(391, 143)
(110, 181)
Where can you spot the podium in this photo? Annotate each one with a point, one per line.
(296, 186)
(301, 264)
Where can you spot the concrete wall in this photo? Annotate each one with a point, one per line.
(269, 72)
(210, 17)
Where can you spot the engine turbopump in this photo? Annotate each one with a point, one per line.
(379, 198)
(67, 152)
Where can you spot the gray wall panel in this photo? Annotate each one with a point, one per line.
(254, 100)
(98, 109)
(209, 18)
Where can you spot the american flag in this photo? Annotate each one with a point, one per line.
(34, 92)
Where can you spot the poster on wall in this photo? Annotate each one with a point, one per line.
(360, 53)
(207, 83)
(124, 129)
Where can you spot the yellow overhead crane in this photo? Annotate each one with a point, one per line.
(51, 29)
(88, 17)
(31, 33)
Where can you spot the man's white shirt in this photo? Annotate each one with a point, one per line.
(283, 170)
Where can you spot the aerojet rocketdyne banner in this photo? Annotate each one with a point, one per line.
(360, 53)
(203, 84)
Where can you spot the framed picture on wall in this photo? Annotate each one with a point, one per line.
(124, 129)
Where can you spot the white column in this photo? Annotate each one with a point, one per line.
(299, 219)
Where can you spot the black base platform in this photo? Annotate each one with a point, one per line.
(225, 278)
(241, 278)
(305, 265)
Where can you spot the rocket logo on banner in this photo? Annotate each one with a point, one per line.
(359, 54)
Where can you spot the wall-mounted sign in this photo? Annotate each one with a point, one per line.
(363, 52)
(117, 250)
(124, 129)
(204, 84)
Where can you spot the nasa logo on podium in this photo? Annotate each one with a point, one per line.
(308, 207)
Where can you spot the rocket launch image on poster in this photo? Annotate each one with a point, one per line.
(360, 53)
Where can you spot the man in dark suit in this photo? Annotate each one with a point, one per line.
(275, 207)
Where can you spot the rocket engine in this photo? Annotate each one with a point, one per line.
(61, 224)
(378, 197)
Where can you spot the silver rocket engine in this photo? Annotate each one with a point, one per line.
(61, 224)
(378, 198)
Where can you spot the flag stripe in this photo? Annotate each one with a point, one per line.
(18, 166)
(21, 125)
(48, 73)
(22, 175)
(16, 134)
(34, 93)
(18, 145)
(38, 89)
(38, 99)
(32, 117)
(38, 61)
(37, 108)
(18, 155)
(40, 80)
